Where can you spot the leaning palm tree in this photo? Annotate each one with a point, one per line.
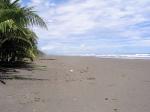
(17, 41)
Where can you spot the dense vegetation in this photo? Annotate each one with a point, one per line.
(17, 40)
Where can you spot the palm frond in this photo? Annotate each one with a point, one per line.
(17, 41)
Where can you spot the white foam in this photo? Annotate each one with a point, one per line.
(122, 56)
(126, 56)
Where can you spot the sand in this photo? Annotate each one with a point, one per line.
(79, 84)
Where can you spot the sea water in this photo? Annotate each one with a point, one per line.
(122, 56)
(126, 56)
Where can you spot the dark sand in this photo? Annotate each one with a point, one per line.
(79, 84)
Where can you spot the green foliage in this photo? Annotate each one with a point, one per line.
(17, 41)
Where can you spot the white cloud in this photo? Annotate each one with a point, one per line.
(82, 17)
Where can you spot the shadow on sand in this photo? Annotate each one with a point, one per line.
(8, 71)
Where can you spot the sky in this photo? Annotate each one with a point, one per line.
(80, 27)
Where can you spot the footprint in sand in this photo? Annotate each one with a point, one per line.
(36, 99)
(91, 78)
(84, 70)
(116, 110)
(111, 85)
(106, 99)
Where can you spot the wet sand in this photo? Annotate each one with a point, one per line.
(79, 84)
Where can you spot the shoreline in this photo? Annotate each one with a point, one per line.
(100, 57)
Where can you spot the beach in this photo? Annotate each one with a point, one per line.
(78, 84)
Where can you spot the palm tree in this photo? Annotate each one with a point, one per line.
(17, 41)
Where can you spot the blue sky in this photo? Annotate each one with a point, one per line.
(93, 26)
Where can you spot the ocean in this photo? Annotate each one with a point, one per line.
(122, 56)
